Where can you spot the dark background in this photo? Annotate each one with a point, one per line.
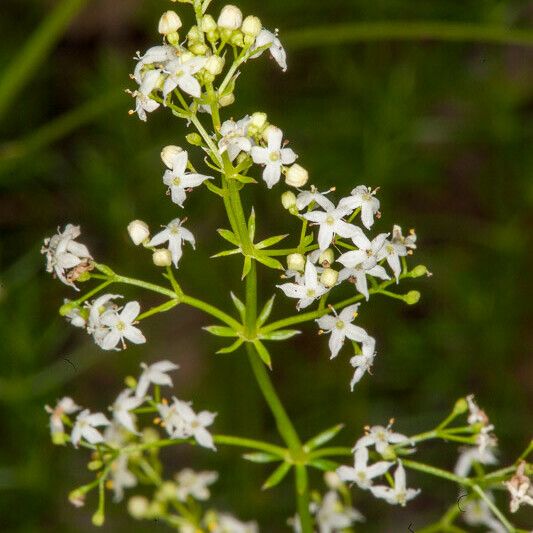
(444, 128)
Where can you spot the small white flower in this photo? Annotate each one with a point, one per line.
(75, 316)
(122, 407)
(380, 437)
(367, 254)
(363, 362)
(235, 137)
(138, 231)
(181, 74)
(230, 18)
(229, 524)
(97, 309)
(178, 180)
(143, 102)
(471, 455)
(63, 253)
(171, 420)
(361, 473)
(520, 489)
(478, 513)
(120, 327)
(358, 276)
(476, 415)
(409, 241)
(121, 477)
(307, 290)
(195, 424)
(392, 251)
(156, 374)
(306, 197)
(276, 48)
(340, 326)
(174, 233)
(331, 224)
(85, 428)
(364, 198)
(195, 484)
(332, 516)
(157, 55)
(273, 156)
(65, 406)
(399, 494)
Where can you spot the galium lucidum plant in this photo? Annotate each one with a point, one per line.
(193, 75)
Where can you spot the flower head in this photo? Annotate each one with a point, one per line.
(361, 473)
(399, 494)
(520, 489)
(363, 197)
(85, 428)
(235, 137)
(119, 324)
(180, 73)
(363, 362)
(333, 516)
(121, 477)
(156, 373)
(122, 407)
(175, 234)
(307, 290)
(306, 197)
(380, 437)
(331, 223)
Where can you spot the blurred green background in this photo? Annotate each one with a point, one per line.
(443, 127)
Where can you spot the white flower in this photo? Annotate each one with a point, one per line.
(74, 316)
(273, 156)
(392, 251)
(156, 374)
(307, 290)
(478, 513)
(143, 103)
(296, 176)
(195, 424)
(380, 437)
(364, 198)
(97, 309)
(121, 477)
(306, 197)
(332, 516)
(398, 494)
(65, 406)
(181, 74)
(171, 420)
(235, 137)
(230, 18)
(169, 22)
(358, 276)
(63, 253)
(85, 428)
(178, 180)
(138, 231)
(122, 407)
(195, 484)
(398, 238)
(229, 524)
(174, 233)
(331, 224)
(367, 254)
(471, 455)
(519, 487)
(340, 326)
(363, 362)
(476, 415)
(120, 327)
(361, 473)
(276, 48)
(158, 55)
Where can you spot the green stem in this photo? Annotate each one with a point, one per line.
(501, 517)
(438, 472)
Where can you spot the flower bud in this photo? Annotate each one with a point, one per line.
(98, 518)
(130, 382)
(167, 491)
(288, 200)
(169, 23)
(296, 176)
(155, 510)
(226, 100)
(139, 231)
(419, 270)
(460, 407)
(137, 507)
(296, 262)
(251, 26)
(169, 153)
(208, 24)
(149, 435)
(214, 65)
(411, 297)
(230, 18)
(326, 258)
(237, 38)
(194, 138)
(198, 49)
(94, 465)
(329, 277)
(77, 498)
(194, 35)
(258, 121)
(333, 481)
(162, 257)
(267, 130)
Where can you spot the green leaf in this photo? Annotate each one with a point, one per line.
(241, 178)
(277, 476)
(230, 87)
(280, 335)
(308, 239)
(324, 464)
(232, 347)
(239, 305)
(251, 225)
(263, 353)
(246, 266)
(261, 457)
(323, 437)
(265, 312)
(229, 236)
(269, 262)
(225, 253)
(213, 188)
(221, 331)
(270, 241)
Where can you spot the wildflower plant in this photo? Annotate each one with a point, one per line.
(193, 75)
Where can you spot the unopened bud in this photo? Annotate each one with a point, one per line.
(332, 479)
(418, 271)
(94, 465)
(130, 382)
(230, 18)
(194, 138)
(198, 49)
(251, 26)
(77, 498)
(214, 65)
(460, 407)
(169, 153)
(412, 297)
(226, 100)
(288, 200)
(326, 258)
(296, 262)
(155, 510)
(329, 277)
(169, 23)
(258, 122)
(162, 257)
(139, 231)
(167, 491)
(194, 35)
(138, 506)
(149, 435)
(98, 518)
(296, 176)
(237, 38)
(208, 24)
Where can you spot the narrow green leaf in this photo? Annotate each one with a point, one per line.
(251, 225)
(277, 476)
(263, 353)
(229, 236)
(221, 331)
(261, 457)
(265, 312)
(269, 262)
(270, 241)
(239, 305)
(323, 437)
(231, 348)
(246, 266)
(324, 464)
(280, 335)
(241, 178)
(213, 188)
(225, 253)
(308, 239)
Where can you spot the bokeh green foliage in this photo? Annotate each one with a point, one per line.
(444, 128)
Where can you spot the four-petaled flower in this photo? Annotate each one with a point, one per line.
(276, 49)
(195, 423)
(331, 223)
(235, 137)
(174, 233)
(306, 197)
(125, 403)
(85, 428)
(333, 516)
(363, 362)
(307, 290)
(364, 198)
(181, 74)
(380, 437)
(361, 473)
(195, 484)
(399, 494)
(120, 327)
(156, 374)
(65, 406)
(143, 102)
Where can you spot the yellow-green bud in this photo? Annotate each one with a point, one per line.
(208, 24)
(412, 297)
(169, 23)
(418, 271)
(59, 438)
(173, 38)
(296, 176)
(194, 138)
(251, 26)
(162, 257)
(138, 506)
(460, 407)
(332, 479)
(155, 510)
(296, 262)
(288, 200)
(230, 18)
(138, 231)
(194, 35)
(258, 121)
(326, 257)
(130, 382)
(98, 518)
(94, 465)
(329, 277)
(226, 100)
(167, 491)
(169, 153)
(150, 435)
(198, 49)
(214, 65)
(237, 38)
(77, 498)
